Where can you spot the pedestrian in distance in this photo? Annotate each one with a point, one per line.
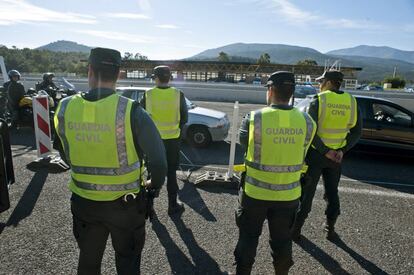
(276, 139)
(167, 107)
(339, 129)
(105, 137)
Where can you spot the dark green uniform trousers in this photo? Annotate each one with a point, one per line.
(250, 216)
(331, 174)
(172, 149)
(93, 221)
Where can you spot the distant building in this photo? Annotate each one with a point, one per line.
(233, 72)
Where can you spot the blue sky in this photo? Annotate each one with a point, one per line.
(164, 29)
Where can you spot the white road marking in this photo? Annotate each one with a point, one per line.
(388, 193)
(378, 182)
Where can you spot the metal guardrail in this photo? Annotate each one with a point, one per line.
(6, 166)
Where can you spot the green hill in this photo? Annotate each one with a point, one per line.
(65, 46)
(374, 68)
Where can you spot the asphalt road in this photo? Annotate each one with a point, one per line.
(226, 92)
(376, 225)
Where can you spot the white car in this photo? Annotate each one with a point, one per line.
(409, 89)
(203, 126)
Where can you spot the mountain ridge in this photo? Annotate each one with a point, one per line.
(376, 51)
(374, 68)
(65, 46)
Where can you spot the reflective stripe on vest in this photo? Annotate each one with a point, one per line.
(167, 119)
(120, 141)
(107, 187)
(258, 144)
(266, 181)
(272, 186)
(335, 137)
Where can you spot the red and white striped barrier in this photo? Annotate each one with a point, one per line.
(42, 125)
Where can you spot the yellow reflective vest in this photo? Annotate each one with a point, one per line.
(98, 144)
(337, 114)
(163, 105)
(278, 142)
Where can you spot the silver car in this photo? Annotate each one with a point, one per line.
(203, 126)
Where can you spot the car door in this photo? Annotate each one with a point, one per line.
(365, 109)
(391, 123)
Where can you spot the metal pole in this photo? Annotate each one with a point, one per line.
(233, 140)
(3, 69)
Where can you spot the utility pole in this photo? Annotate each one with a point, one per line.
(395, 72)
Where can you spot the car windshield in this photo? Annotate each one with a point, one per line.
(302, 91)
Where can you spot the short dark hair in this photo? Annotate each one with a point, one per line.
(106, 73)
(164, 78)
(283, 91)
(335, 83)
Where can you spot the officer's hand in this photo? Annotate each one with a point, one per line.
(332, 155)
(339, 156)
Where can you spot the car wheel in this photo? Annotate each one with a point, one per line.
(199, 136)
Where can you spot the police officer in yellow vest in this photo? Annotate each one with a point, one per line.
(167, 107)
(339, 129)
(104, 137)
(277, 138)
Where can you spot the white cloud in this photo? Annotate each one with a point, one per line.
(292, 12)
(20, 11)
(128, 16)
(145, 5)
(132, 38)
(167, 26)
(296, 16)
(408, 28)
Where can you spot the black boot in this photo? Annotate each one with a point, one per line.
(243, 270)
(330, 229)
(174, 205)
(279, 271)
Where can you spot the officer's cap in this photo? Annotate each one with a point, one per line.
(281, 77)
(161, 71)
(105, 57)
(331, 75)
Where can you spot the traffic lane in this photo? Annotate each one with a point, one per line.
(360, 165)
(254, 94)
(376, 229)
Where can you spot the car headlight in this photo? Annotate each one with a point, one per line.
(222, 122)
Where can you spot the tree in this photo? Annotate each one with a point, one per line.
(307, 62)
(264, 59)
(128, 56)
(396, 82)
(139, 56)
(223, 57)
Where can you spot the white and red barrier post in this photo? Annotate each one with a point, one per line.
(42, 126)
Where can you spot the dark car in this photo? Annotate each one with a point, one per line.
(385, 123)
(373, 88)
